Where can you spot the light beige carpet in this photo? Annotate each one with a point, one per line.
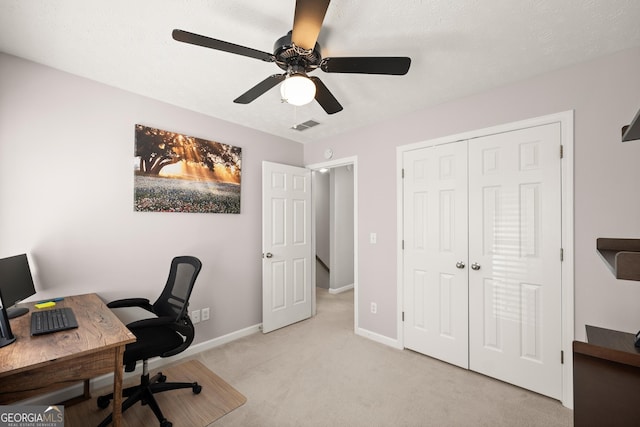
(181, 407)
(318, 373)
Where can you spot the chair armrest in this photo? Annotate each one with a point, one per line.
(131, 302)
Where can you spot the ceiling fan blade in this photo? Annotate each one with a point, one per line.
(394, 65)
(325, 98)
(259, 89)
(307, 22)
(198, 40)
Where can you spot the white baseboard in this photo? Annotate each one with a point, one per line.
(379, 338)
(217, 342)
(340, 290)
(155, 363)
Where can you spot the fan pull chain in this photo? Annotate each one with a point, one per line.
(295, 117)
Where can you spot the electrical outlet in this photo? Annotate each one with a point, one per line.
(195, 316)
(374, 308)
(205, 314)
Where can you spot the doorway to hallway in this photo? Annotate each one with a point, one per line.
(334, 219)
(333, 207)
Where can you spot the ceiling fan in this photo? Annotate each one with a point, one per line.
(298, 53)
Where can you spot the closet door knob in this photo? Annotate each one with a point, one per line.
(268, 255)
(459, 264)
(475, 266)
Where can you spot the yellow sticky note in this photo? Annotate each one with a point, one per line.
(45, 304)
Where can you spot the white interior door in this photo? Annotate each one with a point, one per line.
(435, 252)
(514, 254)
(286, 245)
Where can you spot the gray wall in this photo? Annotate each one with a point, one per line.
(604, 94)
(66, 149)
(322, 206)
(66, 192)
(341, 227)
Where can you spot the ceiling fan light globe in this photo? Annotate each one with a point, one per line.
(298, 90)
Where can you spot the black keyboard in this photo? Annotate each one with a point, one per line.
(53, 320)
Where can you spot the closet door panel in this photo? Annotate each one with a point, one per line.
(435, 249)
(514, 250)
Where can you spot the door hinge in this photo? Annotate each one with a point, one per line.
(402, 173)
(562, 357)
(561, 254)
(403, 244)
(403, 316)
(562, 151)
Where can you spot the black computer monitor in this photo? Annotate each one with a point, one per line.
(6, 336)
(16, 284)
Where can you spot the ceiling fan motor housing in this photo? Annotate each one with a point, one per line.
(294, 59)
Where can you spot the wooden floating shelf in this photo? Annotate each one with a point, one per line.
(632, 132)
(622, 256)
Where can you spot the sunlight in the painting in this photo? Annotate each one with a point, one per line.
(197, 172)
(173, 170)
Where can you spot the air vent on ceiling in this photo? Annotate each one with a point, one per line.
(304, 126)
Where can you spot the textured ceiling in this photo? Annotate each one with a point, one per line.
(458, 47)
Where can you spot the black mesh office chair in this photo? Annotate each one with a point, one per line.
(166, 334)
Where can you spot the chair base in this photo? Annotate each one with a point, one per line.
(144, 393)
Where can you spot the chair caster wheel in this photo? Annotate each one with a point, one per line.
(162, 378)
(103, 402)
(197, 388)
(165, 423)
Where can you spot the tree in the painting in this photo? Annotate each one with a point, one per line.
(156, 149)
(159, 148)
(213, 153)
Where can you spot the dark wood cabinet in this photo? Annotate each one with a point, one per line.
(606, 379)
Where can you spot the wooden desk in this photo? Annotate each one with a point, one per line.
(41, 364)
(606, 379)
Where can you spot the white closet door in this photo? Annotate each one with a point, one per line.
(515, 242)
(435, 252)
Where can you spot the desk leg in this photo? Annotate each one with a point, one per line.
(87, 390)
(117, 387)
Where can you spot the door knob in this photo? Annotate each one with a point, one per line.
(269, 255)
(475, 266)
(459, 264)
